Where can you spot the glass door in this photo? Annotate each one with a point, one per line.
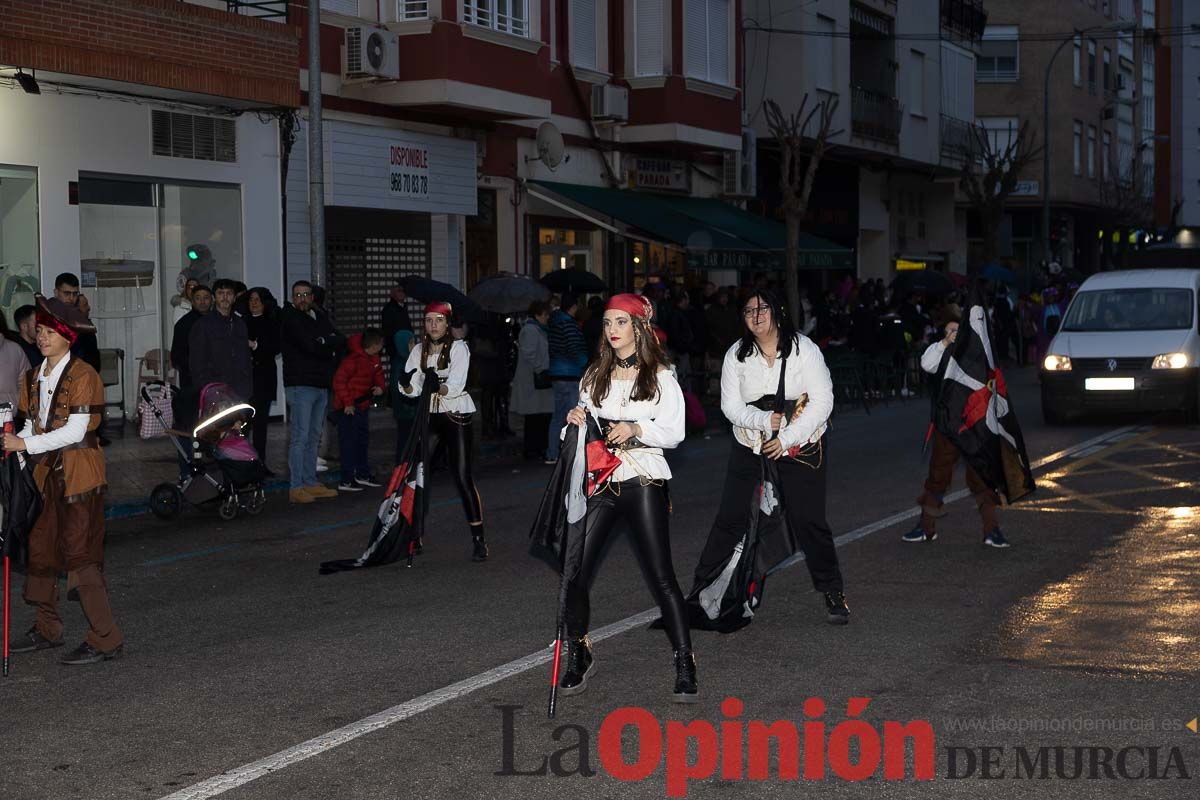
(20, 273)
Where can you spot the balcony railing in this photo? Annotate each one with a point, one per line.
(264, 9)
(875, 115)
(958, 140)
(964, 18)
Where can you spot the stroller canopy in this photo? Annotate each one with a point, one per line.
(221, 410)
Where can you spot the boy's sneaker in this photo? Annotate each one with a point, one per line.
(349, 486)
(919, 534)
(369, 480)
(995, 538)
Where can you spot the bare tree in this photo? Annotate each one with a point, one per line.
(1124, 205)
(989, 175)
(800, 155)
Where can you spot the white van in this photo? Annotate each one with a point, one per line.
(1128, 342)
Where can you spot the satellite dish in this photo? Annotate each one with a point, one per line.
(550, 146)
(375, 50)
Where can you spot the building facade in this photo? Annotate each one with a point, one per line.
(1182, 205)
(123, 148)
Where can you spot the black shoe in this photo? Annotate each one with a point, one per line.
(686, 689)
(30, 641)
(479, 549)
(835, 605)
(86, 654)
(579, 666)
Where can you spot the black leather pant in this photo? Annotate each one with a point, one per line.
(457, 440)
(645, 508)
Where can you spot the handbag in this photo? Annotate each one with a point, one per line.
(149, 426)
(541, 380)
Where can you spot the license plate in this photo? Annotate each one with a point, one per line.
(1109, 384)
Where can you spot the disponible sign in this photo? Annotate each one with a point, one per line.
(663, 174)
(408, 167)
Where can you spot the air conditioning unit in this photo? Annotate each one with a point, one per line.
(610, 103)
(740, 169)
(371, 53)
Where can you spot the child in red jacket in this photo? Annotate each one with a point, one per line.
(358, 378)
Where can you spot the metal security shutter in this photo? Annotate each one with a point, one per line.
(695, 39)
(648, 24)
(193, 136)
(369, 251)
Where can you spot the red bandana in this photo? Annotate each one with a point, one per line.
(632, 304)
(438, 307)
(55, 324)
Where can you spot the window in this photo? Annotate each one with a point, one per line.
(1076, 57)
(998, 55)
(19, 243)
(583, 33)
(648, 37)
(1091, 151)
(916, 83)
(1091, 67)
(506, 16)
(411, 9)
(706, 26)
(193, 136)
(958, 82)
(822, 49)
(1001, 131)
(1077, 148)
(1104, 157)
(1107, 82)
(347, 7)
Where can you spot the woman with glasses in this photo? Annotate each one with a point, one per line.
(439, 355)
(750, 381)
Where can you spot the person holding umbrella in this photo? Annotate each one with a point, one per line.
(62, 401)
(440, 358)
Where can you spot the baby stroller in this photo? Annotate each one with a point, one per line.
(216, 440)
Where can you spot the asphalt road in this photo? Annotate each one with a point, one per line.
(245, 670)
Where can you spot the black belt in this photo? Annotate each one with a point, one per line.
(767, 403)
(629, 444)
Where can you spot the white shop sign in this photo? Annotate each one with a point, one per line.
(409, 170)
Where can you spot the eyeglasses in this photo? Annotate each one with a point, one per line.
(301, 294)
(755, 311)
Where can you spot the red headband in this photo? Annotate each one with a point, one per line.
(438, 307)
(48, 320)
(632, 304)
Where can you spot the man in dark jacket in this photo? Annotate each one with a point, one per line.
(310, 348)
(218, 345)
(180, 347)
(395, 318)
(568, 357)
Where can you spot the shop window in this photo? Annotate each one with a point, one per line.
(20, 271)
(567, 248)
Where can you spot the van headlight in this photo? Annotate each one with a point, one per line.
(1170, 361)
(1055, 363)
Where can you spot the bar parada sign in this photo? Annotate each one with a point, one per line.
(663, 174)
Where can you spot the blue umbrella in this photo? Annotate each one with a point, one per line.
(995, 272)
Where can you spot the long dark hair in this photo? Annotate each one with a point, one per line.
(651, 358)
(270, 304)
(783, 323)
(428, 341)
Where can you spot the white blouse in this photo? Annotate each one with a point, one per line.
(456, 399)
(745, 381)
(661, 421)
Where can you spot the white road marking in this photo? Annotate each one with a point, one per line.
(231, 779)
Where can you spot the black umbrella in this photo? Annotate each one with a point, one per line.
(428, 290)
(22, 503)
(508, 294)
(922, 281)
(579, 281)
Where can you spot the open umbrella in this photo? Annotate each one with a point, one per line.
(994, 272)
(922, 281)
(508, 294)
(428, 290)
(579, 281)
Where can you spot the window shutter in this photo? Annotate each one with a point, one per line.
(347, 7)
(695, 39)
(648, 33)
(583, 33)
(718, 41)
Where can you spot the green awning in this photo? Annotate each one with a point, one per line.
(715, 234)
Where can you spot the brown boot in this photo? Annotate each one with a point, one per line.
(299, 496)
(320, 490)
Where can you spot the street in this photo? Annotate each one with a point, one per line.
(245, 672)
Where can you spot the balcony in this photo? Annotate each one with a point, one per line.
(874, 115)
(958, 140)
(964, 19)
(274, 10)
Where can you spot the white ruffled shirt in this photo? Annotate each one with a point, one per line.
(661, 421)
(456, 399)
(743, 382)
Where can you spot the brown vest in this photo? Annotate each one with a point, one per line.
(80, 465)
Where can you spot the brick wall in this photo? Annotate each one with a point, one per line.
(164, 43)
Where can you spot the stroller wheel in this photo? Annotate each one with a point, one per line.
(256, 502)
(166, 501)
(229, 507)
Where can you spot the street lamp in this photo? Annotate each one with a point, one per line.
(1121, 26)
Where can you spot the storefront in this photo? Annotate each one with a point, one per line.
(120, 191)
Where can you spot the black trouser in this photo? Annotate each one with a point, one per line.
(645, 508)
(537, 435)
(258, 428)
(457, 440)
(803, 491)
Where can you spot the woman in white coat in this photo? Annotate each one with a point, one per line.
(535, 405)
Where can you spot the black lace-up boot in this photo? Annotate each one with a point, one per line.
(686, 689)
(835, 605)
(479, 548)
(579, 666)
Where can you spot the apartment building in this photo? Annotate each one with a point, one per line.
(1179, 199)
(132, 134)
(903, 76)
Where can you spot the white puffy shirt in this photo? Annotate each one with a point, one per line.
(743, 382)
(661, 421)
(456, 399)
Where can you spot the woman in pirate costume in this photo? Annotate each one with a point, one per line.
(439, 357)
(62, 400)
(794, 438)
(632, 393)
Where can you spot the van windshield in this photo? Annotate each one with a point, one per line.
(1139, 309)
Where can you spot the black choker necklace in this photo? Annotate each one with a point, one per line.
(626, 363)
